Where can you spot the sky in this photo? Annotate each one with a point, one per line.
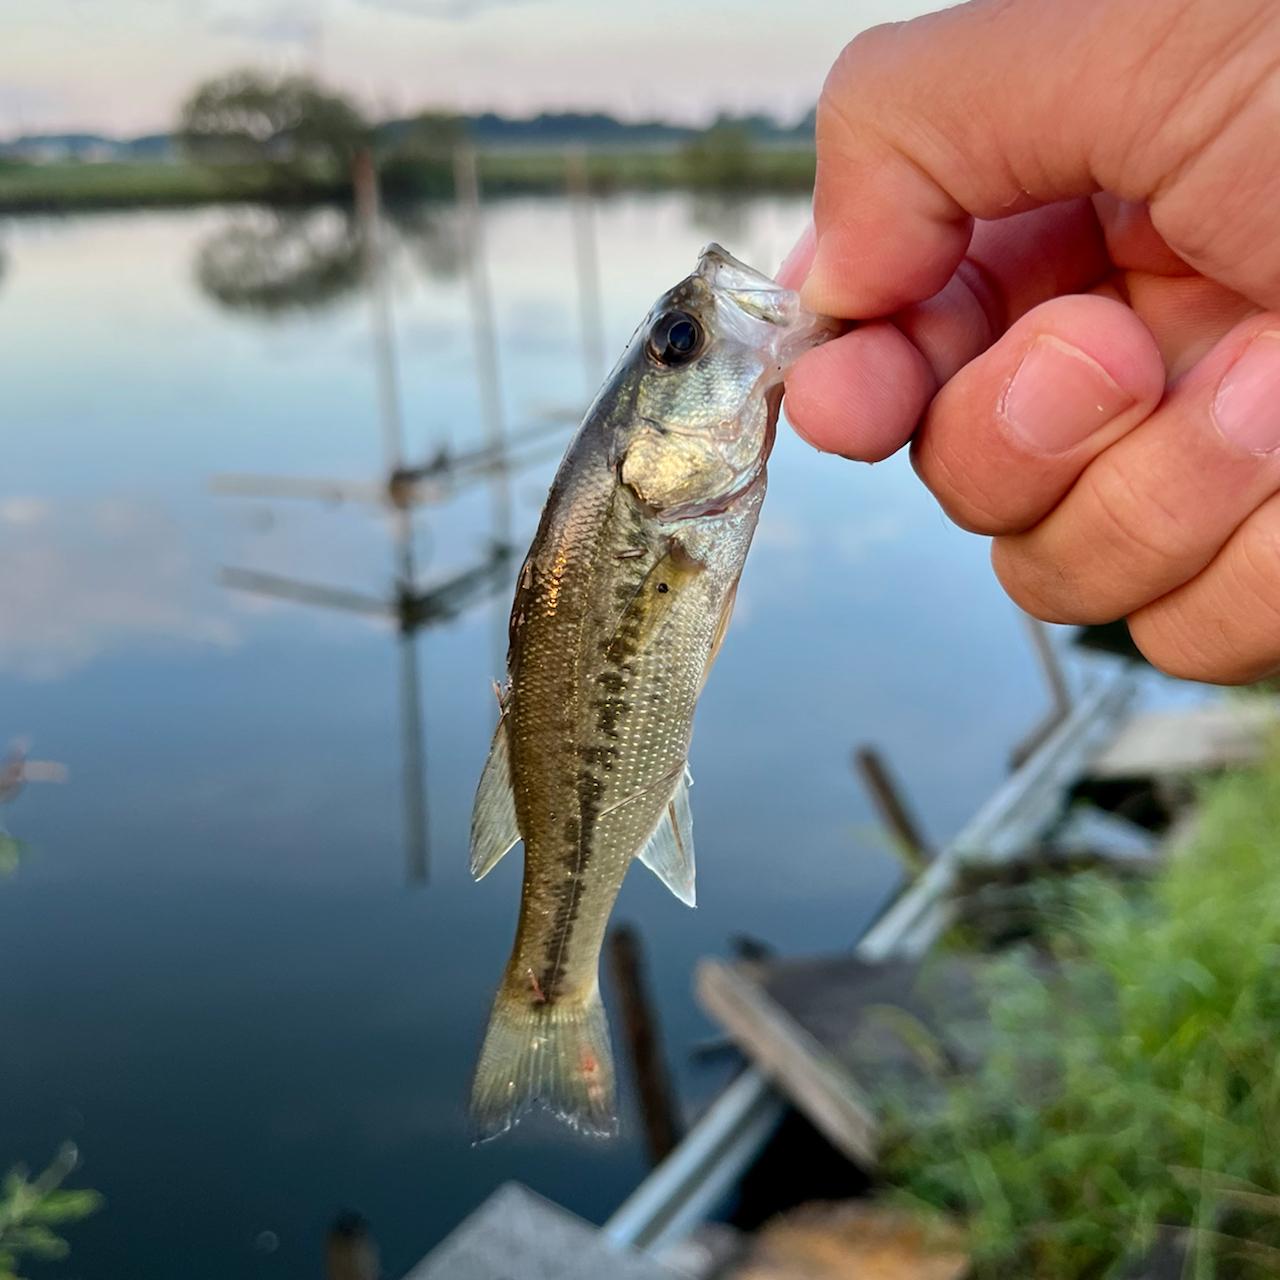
(123, 67)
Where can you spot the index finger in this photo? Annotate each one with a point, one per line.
(863, 394)
(995, 108)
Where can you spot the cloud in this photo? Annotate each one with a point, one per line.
(780, 530)
(278, 24)
(854, 541)
(455, 10)
(78, 584)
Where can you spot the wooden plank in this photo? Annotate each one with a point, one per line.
(517, 1235)
(1200, 739)
(811, 1076)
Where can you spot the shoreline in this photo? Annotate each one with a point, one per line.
(70, 187)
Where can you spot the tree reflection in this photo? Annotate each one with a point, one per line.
(273, 261)
(724, 215)
(430, 232)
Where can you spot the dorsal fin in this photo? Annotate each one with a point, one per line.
(494, 828)
(669, 852)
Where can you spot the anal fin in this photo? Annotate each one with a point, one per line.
(669, 852)
(494, 828)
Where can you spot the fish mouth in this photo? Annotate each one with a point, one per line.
(752, 290)
(760, 298)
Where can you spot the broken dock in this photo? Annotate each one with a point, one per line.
(1098, 784)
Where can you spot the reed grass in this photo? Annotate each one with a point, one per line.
(1130, 1087)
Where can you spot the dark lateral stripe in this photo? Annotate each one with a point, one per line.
(596, 762)
(579, 833)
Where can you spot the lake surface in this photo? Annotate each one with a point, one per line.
(214, 975)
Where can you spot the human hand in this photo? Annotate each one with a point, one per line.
(1091, 371)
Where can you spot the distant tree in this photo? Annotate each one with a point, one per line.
(415, 156)
(301, 133)
(721, 157)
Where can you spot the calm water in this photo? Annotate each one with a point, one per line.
(213, 974)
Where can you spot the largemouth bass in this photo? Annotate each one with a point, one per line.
(619, 611)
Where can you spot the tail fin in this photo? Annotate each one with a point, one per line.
(555, 1054)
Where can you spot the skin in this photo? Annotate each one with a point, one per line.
(1061, 222)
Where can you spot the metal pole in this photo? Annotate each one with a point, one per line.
(1059, 691)
(1050, 664)
(701, 1172)
(466, 181)
(586, 257)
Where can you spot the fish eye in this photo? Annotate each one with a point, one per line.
(675, 339)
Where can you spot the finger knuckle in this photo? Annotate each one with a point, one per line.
(1046, 587)
(1137, 524)
(1203, 649)
(961, 495)
(1225, 627)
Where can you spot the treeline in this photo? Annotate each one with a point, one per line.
(291, 139)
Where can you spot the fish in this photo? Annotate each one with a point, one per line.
(620, 609)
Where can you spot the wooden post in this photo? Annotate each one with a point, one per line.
(892, 809)
(349, 1251)
(644, 1047)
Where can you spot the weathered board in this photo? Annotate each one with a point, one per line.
(517, 1235)
(829, 1031)
(1193, 740)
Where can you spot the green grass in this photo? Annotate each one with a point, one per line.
(71, 186)
(1131, 1085)
(31, 1208)
(778, 170)
(76, 186)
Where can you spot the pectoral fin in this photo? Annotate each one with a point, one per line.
(493, 820)
(662, 587)
(669, 853)
(722, 629)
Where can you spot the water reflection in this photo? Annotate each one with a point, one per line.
(280, 262)
(723, 214)
(16, 771)
(252, 1019)
(430, 233)
(412, 608)
(271, 261)
(85, 579)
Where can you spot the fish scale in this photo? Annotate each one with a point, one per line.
(619, 610)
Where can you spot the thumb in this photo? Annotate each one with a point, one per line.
(999, 106)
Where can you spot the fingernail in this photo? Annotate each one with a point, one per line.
(795, 266)
(1247, 406)
(1059, 397)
